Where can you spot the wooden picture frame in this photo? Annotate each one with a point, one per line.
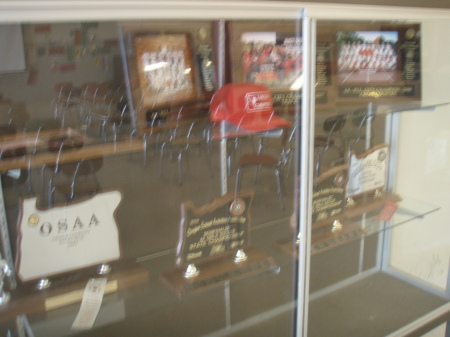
(164, 72)
(277, 50)
(373, 62)
(266, 54)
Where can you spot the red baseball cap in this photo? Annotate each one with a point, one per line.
(247, 105)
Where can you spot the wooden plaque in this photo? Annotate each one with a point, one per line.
(215, 228)
(210, 238)
(329, 194)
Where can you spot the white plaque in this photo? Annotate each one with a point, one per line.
(367, 171)
(68, 237)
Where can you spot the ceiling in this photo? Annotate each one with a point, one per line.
(409, 3)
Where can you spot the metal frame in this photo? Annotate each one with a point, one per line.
(392, 137)
(307, 170)
(52, 11)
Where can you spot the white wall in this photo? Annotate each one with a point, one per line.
(35, 86)
(422, 248)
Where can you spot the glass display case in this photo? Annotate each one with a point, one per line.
(223, 169)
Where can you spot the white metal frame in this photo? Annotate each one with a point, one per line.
(24, 11)
(67, 10)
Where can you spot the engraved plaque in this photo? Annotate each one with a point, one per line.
(214, 245)
(205, 62)
(367, 171)
(215, 228)
(329, 194)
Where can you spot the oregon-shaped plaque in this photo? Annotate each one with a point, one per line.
(214, 245)
(67, 237)
(215, 228)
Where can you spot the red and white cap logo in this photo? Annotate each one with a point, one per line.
(247, 105)
(258, 101)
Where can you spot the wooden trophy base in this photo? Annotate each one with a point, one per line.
(216, 271)
(366, 203)
(323, 238)
(69, 289)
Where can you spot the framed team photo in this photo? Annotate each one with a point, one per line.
(376, 62)
(271, 54)
(271, 59)
(165, 69)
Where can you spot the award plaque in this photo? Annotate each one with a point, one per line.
(68, 237)
(225, 227)
(71, 243)
(205, 59)
(379, 64)
(329, 226)
(373, 61)
(366, 180)
(214, 245)
(367, 172)
(329, 194)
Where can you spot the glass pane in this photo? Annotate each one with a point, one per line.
(128, 170)
(380, 255)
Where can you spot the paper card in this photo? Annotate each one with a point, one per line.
(68, 237)
(90, 305)
(388, 211)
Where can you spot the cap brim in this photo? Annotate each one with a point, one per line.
(261, 123)
(217, 109)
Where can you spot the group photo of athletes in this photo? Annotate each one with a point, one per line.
(165, 70)
(368, 56)
(271, 60)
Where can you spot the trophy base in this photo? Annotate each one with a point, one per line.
(69, 289)
(327, 239)
(322, 239)
(215, 271)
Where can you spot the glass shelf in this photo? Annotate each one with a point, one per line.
(378, 108)
(408, 106)
(362, 224)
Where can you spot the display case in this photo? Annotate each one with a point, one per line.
(223, 169)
